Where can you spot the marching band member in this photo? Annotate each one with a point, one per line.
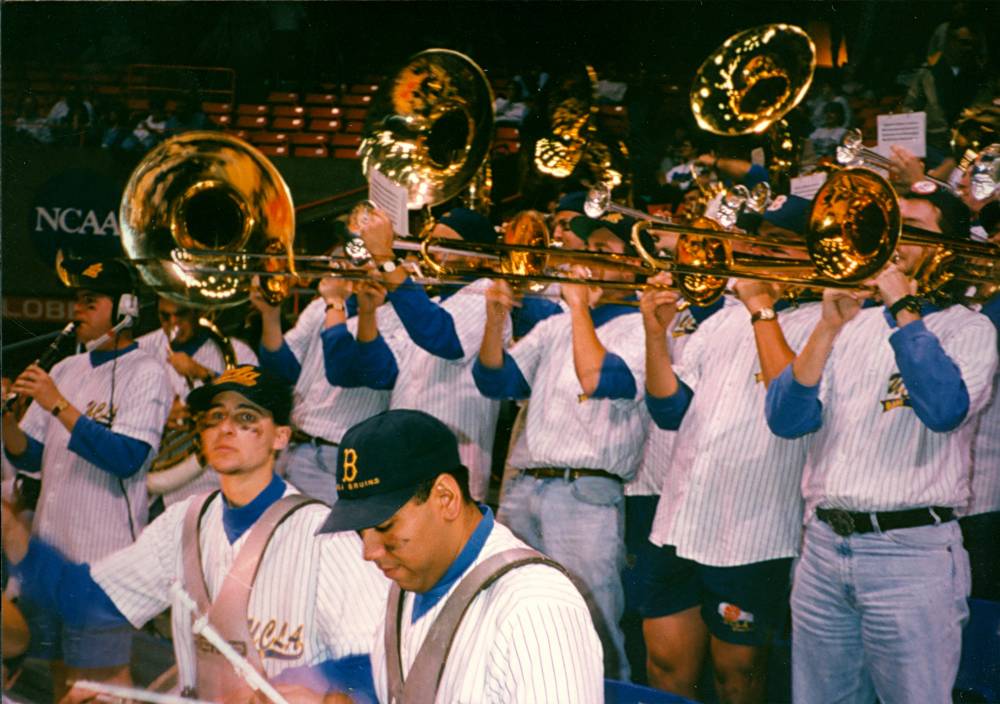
(91, 434)
(583, 433)
(888, 395)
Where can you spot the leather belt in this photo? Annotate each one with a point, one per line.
(568, 473)
(845, 523)
(301, 438)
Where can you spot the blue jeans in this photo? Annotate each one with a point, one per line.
(312, 469)
(878, 614)
(580, 525)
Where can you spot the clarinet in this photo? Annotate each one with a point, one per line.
(46, 361)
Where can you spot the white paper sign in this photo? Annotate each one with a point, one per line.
(906, 130)
(390, 199)
(806, 186)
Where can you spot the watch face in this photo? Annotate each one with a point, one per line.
(388, 267)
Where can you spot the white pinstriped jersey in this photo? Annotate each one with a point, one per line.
(322, 410)
(82, 510)
(731, 494)
(527, 638)
(648, 481)
(445, 388)
(865, 458)
(985, 465)
(563, 431)
(209, 356)
(314, 598)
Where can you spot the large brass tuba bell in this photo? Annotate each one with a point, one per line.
(753, 80)
(194, 196)
(430, 126)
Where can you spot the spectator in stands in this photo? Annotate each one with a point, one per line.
(187, 115)
(825, 93)
(30, 124)
(826, 138)
(509, 111)
(151, 130)
(114, 131)
(71, 107)
(960, 15)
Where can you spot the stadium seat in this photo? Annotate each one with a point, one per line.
(324, 125)
(253, 122)
(317, 152)
(290, 124)
(345, 153)
(308, 138)
(324, 113)
(221, 120)
(346, 140)
(253, 109)
(274, 149)
(979, 672)
(508, 134)
(268, 138)
(216, 108)
(355, 114)
(356, 100)
(355, 127)
(320, 99)
(288, 111)
(363, 88)
(282, 98)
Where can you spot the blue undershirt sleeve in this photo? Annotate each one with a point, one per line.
(792, 410)
(351, 674)
(31, 459)
(429, 325)
(377, 365)
(668, 412)
(933, 381)
(53, 582)
(113, 452)
(281, 362)
(616, 380)
(340, 357)
(505, 382)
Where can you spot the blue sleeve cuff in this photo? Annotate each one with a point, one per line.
(340, 357)
(616, 380)
(933, 381)
(113, 452)
(53, 582)
(281, 362)
(792, 410)
(31, 459)
(377, 364)
(505, 382)
(429, 325)
(668, 412)
(351, 674)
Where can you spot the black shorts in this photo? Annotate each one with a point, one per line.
(743, 605)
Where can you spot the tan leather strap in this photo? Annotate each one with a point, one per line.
(421, 683)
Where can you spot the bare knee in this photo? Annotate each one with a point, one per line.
(740, 672)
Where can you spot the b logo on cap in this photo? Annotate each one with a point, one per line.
(244, 376)
(93, 271)
(613, 218)
(777, 202)
(350, 465)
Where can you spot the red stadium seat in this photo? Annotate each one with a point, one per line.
(291, 124)
(309, 138)
(268, 138)
(324, 125)
(356, 127)
(221, 120)
(356, 100)
(252, 109)
(324, 113)
(257, 122)
(346, 140)
(355, 114)
(242, 134)
(320, 99)
(508, 134)
(317, 152)
(506, 146)
(288, 111)
(345, 153)
(274, 149)
(282, 98)
(363, 88)
(216, 108)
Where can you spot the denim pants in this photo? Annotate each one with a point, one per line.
(580, 525)
(879, 614)
(312, 469)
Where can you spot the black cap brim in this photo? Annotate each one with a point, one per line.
(358, 514)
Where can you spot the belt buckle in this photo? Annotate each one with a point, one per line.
(841, 521)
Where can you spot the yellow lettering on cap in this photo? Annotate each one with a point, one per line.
(244, 376)
(93, 271)
(350, 465)
(613, 218)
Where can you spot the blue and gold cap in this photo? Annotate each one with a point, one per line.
(259, 386)
(381, 462)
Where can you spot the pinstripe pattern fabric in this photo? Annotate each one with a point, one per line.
(526, 638)
(867, 459)
(320, 409)
(985, 480)
(82, 510)
(563, 431)
(314, 598)
(209, 356)
(731, 494)
(445, 389)
(648, 481)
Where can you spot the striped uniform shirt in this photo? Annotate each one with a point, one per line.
(314, 598)
(731, 494)
(648, 481)
(322, 410)
(209, 356)
(526, 638)
(82, 510)
(445, 389)
(561, 430)
(872, 453)
(985, 465)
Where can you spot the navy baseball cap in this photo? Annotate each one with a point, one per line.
(259, 386)
(572, 202)
(381, 462)
(111, 277)
(617, 224)
(470, 225)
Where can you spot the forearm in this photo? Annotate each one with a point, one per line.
(807, 368)
(367, 326)
(661, 381)
(734, 168)
(271, 337)
(772, 349)
(15, 441)
(491, 348)
(588, 352)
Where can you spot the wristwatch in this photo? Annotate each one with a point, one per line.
(910, 303)
(335, 304)
(763, 314)
(60, 406)
(388, 266)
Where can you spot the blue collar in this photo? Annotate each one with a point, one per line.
(926, 308)
(609, 311)
(422, 603)
(99, 357)
(192, 345)
(703, 313)
(236, 520)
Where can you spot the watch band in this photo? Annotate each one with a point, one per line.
(59, 407)
(334, 305)
(910, 303)
(763, 314)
